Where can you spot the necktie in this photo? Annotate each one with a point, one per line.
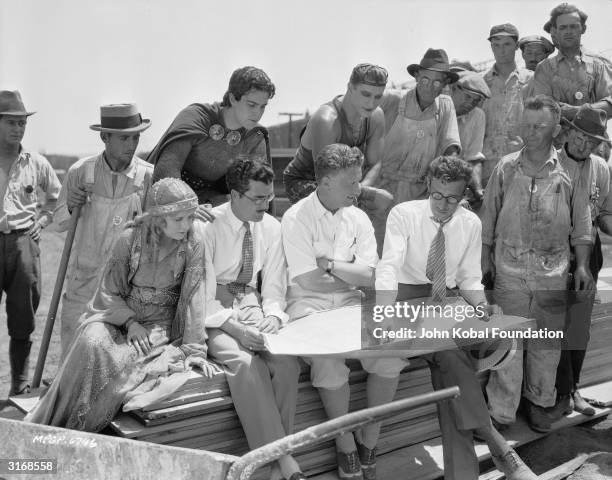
(246, 270)
(436, 264)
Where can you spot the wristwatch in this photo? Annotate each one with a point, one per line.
(330, 266)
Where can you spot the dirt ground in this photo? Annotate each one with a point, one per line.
(541, 455)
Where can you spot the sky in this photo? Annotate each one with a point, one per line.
(68, 57)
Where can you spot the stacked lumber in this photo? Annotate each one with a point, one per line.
(201, 414)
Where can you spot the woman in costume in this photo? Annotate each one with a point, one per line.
(146, 319)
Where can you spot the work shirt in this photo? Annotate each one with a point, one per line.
(587, 78)
(471, 132)
(30, 172)
(503, 113)
(531, 216)
(410, 232)
(310, 231)
(223, 240)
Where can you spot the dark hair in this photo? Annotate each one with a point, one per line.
(336, 157)
(246, 168)
(449, 168)
(564, 9)
(369, 74)
(540, 102)
(245, 79)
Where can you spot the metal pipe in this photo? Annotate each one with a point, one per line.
(243, 468)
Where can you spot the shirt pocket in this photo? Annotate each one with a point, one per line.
(345, 247)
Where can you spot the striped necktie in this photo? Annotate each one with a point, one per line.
(246, 270)
(436, 264)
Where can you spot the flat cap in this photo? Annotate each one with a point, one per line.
(473, 82)
(548, 46)
(504, 30)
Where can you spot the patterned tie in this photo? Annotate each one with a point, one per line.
(436, 264)
(246, 270)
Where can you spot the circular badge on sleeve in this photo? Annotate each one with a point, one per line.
(233, 138)
(216, 132)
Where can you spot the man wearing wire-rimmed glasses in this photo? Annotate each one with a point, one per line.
(533, 211)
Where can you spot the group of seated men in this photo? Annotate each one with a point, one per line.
(407, 159)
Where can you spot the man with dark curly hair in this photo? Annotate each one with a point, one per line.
(203, 139)
(432, 248)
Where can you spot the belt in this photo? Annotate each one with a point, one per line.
(16, 231)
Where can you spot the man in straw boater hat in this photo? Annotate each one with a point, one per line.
(504, 108)
(22, 174)
(573, 76)
(204, 138)
(110, 189)
(432, 252)
(584, 135)
(354, 119)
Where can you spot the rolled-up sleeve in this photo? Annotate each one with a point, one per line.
(51, 185)
(274, 276)
(298, 247)
(582, 224)
(448, 130)
(469, 273)
(491, 205)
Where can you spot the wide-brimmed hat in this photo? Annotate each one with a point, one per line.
(436, 60)
(121, 118)
(11, 104)
(493, 355)
(503, 30)
(592, 122)
(545, 42)
(474, 83)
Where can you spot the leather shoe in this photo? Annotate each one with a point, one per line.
(513, 467)
(367, 458)
(538, 419)
(349, 466)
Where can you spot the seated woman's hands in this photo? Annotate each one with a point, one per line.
(269, 324)
(208, 369)
(138, 336)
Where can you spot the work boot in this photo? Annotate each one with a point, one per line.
(563, 407)
(511, 465)
(580, 404)
(538, 419)
(19, 357)
(367, 458)
(349, 466)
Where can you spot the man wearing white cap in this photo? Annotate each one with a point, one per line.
(110, 188)
(534, 49)
(22, 173)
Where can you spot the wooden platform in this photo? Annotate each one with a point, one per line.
(201, 415)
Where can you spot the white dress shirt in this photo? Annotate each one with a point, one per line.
(410, 231)
(223, 247)
(310, 231)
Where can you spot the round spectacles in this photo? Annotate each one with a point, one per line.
(426, 81)
(260, 200)
(451, 199)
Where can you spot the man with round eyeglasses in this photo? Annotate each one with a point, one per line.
(432, 249)
(244, 247)
(421, 125)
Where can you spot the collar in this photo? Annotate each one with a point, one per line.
(493, 71)
(129, 171)
(560, 56)
(412, 102)
(318, 208)
(24, 154)
(553, 157)
(234, 222)
(431, 215)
